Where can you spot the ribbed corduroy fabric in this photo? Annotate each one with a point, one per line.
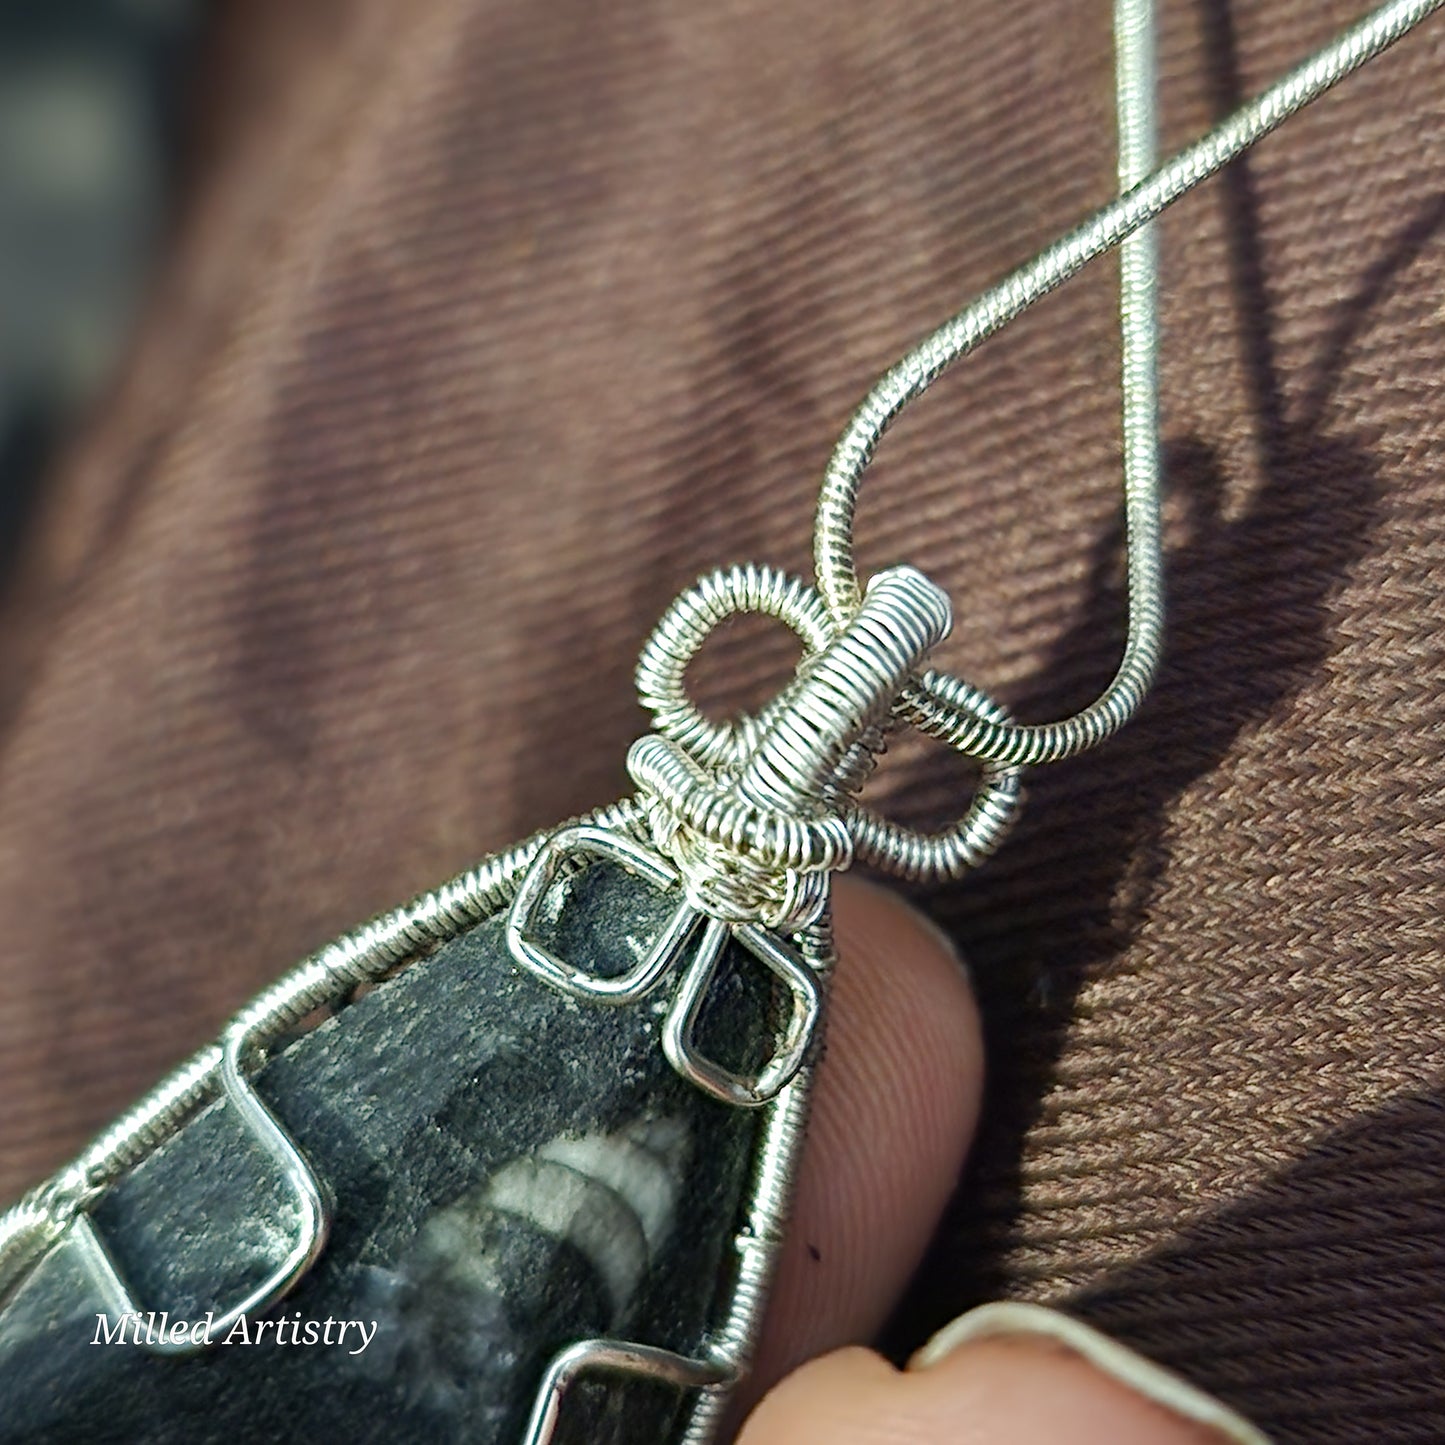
(490, 325)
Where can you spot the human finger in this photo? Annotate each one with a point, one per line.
(895, 1103)
(1006, 1374)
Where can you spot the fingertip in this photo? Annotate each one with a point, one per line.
(895, 1104)
(1015, 1390)
(905, 1032)
(819, 1397)
(1141, 1377)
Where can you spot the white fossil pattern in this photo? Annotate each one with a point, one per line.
(614, 1197)
(570, 1229)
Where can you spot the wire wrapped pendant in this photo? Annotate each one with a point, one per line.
(512, 1163)
(531, 1188)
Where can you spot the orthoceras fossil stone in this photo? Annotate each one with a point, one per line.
(461, 1307)
(512, 1171)
(506, 1130)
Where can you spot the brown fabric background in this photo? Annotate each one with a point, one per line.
(491, 324)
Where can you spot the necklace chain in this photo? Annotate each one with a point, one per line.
(930, 701)
(684, 771)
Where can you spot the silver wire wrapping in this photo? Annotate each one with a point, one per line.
(754, 836)
(758, 1243)
(688, 808)
(29, 1227)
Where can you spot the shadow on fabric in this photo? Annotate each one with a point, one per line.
(1250, 602)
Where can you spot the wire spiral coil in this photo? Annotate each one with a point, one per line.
(755, 811)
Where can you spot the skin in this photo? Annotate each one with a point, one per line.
(897, 1101)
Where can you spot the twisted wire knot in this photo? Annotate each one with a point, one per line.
(734, 886)
(755, 813)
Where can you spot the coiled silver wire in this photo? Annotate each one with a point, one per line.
(772, 818)
(706, 828)
(29, 1227)
(687, 624)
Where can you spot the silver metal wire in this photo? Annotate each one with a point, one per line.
(762, 811)
(568, 845)
(925, 701)
(313, 1225)
(928, 857)
(748, 1275)
(687, 624)
(612, 1357)
(845, 690)
(679, 1043)
(686, 768)
(756, 840)
(805, 1013)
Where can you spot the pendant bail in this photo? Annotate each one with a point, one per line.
(756, 833)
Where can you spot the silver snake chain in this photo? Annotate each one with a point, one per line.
(930, 702)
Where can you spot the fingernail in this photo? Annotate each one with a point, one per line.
(1014, 1319)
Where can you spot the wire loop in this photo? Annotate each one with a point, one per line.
(752, 829)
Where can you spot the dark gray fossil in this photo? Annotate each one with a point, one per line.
(512, 1171)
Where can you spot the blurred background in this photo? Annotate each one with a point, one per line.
(92, 99)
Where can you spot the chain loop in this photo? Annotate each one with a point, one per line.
(1145, 194)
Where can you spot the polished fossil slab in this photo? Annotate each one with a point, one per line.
(511, 1171)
